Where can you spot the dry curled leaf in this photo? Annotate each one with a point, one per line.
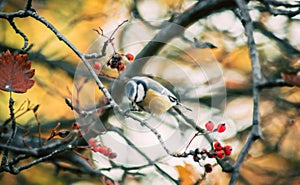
(292, 78)
(15, 72)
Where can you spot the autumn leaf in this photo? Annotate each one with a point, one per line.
(188, 175)
(292, 78)
(15, 72)
(239, 58)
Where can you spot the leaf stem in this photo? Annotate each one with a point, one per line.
(13, 126)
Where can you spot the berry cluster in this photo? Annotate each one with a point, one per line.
(116, 62)
(218, 152)
(96, 147)
(210, 127)
(221, 151)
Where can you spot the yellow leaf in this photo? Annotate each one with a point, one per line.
(173, 4)
(238, 59)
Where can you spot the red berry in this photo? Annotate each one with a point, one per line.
(129, 56)
(75, 126)
(203, 151)
(108, 150)
(103, 150)
(227, 149)
(221, 127)
(97, 66)
(92, 142)
(121, 67)
(218, 146)
(209, 126)
(96, 149)
(220, 154)
(112, 155)
(208, 168)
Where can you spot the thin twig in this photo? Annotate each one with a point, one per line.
(273, 83)
(17, 159)
(39, 127)
(18, 31)
(105, 44)
(283, 3)
(7, 121)
(14, 129)
(41, 159)
(112, 34)
(19, 150)
(77, 52)
(154, 131)
(2, 4)
(161, 171)
(28, 5)
(276, 11)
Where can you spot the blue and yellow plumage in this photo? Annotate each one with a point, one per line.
(150, 95)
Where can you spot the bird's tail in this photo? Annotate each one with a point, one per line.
(184, 106)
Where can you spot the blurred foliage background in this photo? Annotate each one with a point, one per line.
(275, 160)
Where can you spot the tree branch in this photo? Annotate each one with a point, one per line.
(166, 34)
(150, 162)
(276, 11)
(2, 4)
(257, 77)
(273, 83)
(18, 31)
(28, 5)
(283, 44)
(33, 14)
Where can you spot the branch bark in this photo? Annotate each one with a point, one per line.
(257, 77)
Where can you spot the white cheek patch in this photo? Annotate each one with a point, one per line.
(140, 93)
(130, 90)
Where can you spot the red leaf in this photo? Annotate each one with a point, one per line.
(15, 72)
(292, 78)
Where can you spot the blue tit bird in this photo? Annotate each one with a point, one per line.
(150, 95)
